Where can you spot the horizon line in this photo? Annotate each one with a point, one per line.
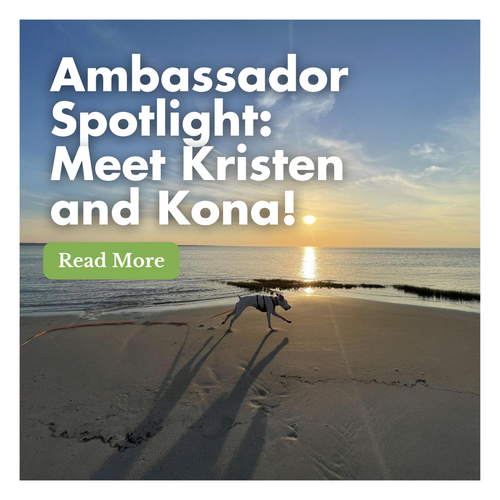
(276, 246)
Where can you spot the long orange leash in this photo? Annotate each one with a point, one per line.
(83, 325)
(225, 312)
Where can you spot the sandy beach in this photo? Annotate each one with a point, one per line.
(352, 389)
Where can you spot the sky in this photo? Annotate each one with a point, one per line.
(405, 124)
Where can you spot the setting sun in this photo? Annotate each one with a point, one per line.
(309, 219)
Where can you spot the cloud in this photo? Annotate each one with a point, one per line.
(342, 147)
(269, 99)
(427, 150)
(414, 181)
(433, 169)
(297, 110)
(315, 105)
(465, 129)
(395, 179)
(357, 164)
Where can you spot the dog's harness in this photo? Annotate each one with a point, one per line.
(262, 308)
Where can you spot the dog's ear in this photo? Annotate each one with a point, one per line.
(280, 296)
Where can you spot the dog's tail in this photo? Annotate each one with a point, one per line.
(239, 296)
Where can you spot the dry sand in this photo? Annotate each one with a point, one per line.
(352, 389)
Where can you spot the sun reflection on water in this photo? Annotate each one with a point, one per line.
(309, 269)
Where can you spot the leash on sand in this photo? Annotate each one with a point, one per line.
(114, 323)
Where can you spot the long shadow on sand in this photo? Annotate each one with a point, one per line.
(169, 394)
(196, 454)
(247, 456)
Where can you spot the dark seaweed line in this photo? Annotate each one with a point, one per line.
(270, 285)
(426, 292)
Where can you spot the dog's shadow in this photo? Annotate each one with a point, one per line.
(169, 394)
(195, 454)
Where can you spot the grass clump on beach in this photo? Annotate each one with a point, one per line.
(271, 285)
(432, 293)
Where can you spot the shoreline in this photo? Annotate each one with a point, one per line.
(397, 298)
(352, 389)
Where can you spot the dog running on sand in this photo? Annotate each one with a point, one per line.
(263, 303)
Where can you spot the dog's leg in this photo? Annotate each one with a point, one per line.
(240, 307)
(237, 306)
(236, 316)
(281, 317)
(269, 321)
(232, 313)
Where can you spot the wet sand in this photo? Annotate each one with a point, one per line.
(352, 389)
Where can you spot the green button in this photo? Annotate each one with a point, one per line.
(111, 261)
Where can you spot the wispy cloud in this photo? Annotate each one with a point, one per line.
(428, 151)
(464, 129)
(396, 180)
(269, 99)
(315, 105)
(433, 169)
(297, 111)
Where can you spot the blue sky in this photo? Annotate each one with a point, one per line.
(405, 123)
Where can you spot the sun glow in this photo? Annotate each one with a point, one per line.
(309, 219)
(308, 271)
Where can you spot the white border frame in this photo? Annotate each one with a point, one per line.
(313, 9)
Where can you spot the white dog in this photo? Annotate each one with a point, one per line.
(263, 303)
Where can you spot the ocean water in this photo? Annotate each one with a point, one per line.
(204, 268)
